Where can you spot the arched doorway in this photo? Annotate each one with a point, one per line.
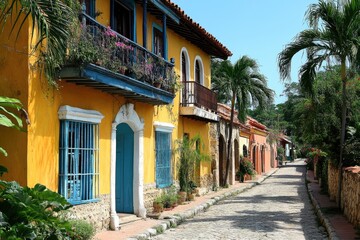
(237, 157)
(127, 128)
(222, 159)
(124, 168)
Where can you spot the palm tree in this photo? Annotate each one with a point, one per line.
(245, 85)
(333, 39)
(51, 22)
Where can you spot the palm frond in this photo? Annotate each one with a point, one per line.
(304, 40)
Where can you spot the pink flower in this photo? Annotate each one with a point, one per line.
(110, 32)
(120, 44)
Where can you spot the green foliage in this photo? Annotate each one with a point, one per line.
(316, 121)
(280, 153)
(52, 21)
(242, 82)
(246, 167)
(7, 117)
(352, 147)
(168, 198)
(189, 157)
(32, 213)
(10, 119)
(83, 230)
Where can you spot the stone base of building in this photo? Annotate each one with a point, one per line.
(97, 214)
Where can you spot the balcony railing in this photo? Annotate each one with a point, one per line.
(106, 48)
(194, 94)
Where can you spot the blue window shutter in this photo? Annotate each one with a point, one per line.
(163, 159)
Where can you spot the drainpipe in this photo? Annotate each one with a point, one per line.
(144, 23)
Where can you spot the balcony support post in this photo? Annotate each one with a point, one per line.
(83, 10)
(164, 37)
(145, 23)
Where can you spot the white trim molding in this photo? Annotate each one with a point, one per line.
(187, 62)
(128, 115)
(163, 127)
(73, 113)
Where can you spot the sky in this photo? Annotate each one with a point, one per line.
(259, 29)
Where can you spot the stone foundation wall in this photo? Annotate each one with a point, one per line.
(207, 182)
(350, 193)
(214, 152)
(97, 214)
(150, 193)
(350, 196)
(333, 176)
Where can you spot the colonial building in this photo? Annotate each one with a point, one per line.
(104, 138)
(262, 152)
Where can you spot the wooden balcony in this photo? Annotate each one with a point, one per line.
(198, 102)
(105, 60)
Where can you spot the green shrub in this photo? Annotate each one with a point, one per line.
(83, 229)
(32, 213)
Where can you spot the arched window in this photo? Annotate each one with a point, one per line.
(183, 67)
(199, 71)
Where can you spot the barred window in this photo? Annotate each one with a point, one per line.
(79, 161)
(163, 159)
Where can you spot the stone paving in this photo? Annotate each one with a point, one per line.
(278, 208)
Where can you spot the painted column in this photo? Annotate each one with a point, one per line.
(114, 219)
(144, 23)
(138, 186)
(164, 37)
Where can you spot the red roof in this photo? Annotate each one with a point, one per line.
(251, 121)
(219, 51)
(224, 111)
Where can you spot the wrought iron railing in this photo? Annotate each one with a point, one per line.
(195, 94)
(102, 46)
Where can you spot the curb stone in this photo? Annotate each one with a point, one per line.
(323, 220)
(181, 217)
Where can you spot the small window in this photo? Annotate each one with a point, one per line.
(163, 159)
(79, 161)
(123, 20)
(158, 42)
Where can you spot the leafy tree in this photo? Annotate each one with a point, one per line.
(242, 85)
(334, 38)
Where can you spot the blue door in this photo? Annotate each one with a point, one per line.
(124, 168)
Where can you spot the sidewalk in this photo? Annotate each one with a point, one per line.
(330, 216)
(144, 229)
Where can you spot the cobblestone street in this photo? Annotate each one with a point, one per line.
(279, 208)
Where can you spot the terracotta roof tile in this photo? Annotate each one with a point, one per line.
(174, 7)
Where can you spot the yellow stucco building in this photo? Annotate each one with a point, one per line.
(104, 138)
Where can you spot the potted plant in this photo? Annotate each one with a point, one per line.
(246, 168)
(188, 158)
(158, 204)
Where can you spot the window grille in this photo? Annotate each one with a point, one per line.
(79, 161)
(163, 159)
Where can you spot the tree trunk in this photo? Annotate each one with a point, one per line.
(228, 157)
(343, 130)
